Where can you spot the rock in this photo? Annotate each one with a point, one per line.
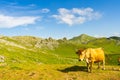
(2, 59)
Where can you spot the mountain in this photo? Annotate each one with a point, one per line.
(83, 38)
(24, 50)
(114, 37)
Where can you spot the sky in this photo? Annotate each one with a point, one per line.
(60, 18)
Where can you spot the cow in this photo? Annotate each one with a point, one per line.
(92, 55)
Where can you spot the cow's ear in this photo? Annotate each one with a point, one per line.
(83, 52)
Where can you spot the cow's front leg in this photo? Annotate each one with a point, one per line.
(91, 64)
(88, 67)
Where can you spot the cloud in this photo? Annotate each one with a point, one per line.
(76, 15)
(10, 21)
(32, 5)
(116, 34)
(38, 11)
(15, 9)
(99, 36)
(45, 10)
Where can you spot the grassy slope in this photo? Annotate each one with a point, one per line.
(23, 61)
(57, 72)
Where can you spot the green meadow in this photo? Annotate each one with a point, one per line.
(33, 58)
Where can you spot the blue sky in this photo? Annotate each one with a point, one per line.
(60, 18)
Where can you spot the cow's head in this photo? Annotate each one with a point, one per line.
(81, 54)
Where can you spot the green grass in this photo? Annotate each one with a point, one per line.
(112, 59)
(24, 61)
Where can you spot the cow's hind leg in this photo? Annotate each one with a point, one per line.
(91, 64)
(103, 65)
(88, 67)
(98, 65)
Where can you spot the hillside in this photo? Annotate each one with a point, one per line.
(114, 37)
(29, 57)
(37, 50)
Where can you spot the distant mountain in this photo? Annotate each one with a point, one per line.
(83, 38)
(114, 37)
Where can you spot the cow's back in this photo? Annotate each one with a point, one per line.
(97, 54)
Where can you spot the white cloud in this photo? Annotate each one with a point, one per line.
(45, 10)
(10, 21)
(38, 11)
(116, 34)
(76, 15)
(32, 5)
(99, 36)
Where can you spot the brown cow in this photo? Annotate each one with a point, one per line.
(91, 55)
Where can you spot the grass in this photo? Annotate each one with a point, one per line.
(112, 59)
(24, 61)
(57, 72)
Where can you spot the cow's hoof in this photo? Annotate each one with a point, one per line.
(98, 67)
(103, 68)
